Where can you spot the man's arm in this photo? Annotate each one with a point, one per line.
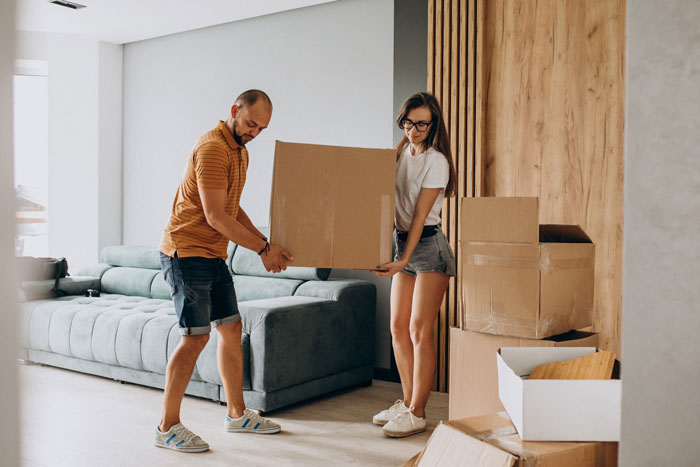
(213, 203)
(245, 221)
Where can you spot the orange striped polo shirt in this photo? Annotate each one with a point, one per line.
(216, 161)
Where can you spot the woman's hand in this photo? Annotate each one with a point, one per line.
(389, 269)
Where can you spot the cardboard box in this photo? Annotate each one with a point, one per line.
(332, 206)
(520, 278)
(491, 441)
(474, 373)
(557, 410)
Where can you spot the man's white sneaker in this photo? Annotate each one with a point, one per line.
(385, 415)
(179, 438)
(404, 424)
(251, 422)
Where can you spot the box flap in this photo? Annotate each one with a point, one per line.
(496, 219)
(449, 446)
(558, 233)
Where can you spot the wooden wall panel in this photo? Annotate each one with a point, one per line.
(533, 97)
(554, 124)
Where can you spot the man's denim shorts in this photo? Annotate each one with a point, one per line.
(432, 254)
(202, 290)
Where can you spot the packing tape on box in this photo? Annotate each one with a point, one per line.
(561, 264)
(515, 262)
(527, 262)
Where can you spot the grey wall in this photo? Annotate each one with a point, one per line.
(328, 70)
(9, 433)
(410, 52)
(661, 286)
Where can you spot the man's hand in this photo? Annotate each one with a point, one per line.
(275, 259)
(389, 269)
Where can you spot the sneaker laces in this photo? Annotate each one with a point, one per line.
(184, 433)
(254, 416)
(396, 405)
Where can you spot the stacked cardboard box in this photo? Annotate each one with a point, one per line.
(523, 285)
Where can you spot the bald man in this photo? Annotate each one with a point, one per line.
(206, 214)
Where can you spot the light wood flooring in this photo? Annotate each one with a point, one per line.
(73, 419)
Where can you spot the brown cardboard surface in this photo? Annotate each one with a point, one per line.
(491, 440)
(509, 220)
(333, 206)
(517, 284)
(473, 376)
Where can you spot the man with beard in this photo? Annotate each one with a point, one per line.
(205, 216)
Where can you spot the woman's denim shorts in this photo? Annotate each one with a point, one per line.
(432, 254)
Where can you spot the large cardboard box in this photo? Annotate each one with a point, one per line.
(333, 206)
(474, 373)
(520, 278)
(557, 409)
(491, 441)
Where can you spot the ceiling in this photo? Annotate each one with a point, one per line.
(122, 21)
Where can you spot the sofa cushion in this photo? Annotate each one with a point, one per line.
(131, 256)
(128, 281)
(71, 285)
(255, 288)
(247, 263)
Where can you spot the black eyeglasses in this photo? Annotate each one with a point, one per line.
(407, 124)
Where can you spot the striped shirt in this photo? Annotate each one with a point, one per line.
(216, 161)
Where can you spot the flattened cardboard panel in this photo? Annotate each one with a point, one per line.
(333, 206)
(448, 446)
(363, 233)
(501, 288)
(509, 220)
(473, 374)
(567, 274)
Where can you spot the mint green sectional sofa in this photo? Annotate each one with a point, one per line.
(303, 334)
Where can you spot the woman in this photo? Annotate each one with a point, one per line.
(423, 261)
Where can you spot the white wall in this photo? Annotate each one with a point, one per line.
(9, 420)
(328, 70)
(80, 70)
(661, 285)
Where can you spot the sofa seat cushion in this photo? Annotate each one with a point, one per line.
(255, 288)
(132, 332)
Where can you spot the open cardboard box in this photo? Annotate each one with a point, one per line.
(520, 278)
(333, 206)
(473, 369)
(557, 410)
(491, 441)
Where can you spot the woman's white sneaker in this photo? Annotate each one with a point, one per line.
(179, 438)
(251, 422)
(383, 417)
(405, 424)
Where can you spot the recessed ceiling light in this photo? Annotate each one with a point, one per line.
(67, 4)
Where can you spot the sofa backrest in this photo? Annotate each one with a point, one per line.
(135, 270)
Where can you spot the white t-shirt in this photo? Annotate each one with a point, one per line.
(428, 169)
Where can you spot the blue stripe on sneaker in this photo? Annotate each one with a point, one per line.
(246, 423)
(182, 441)
(228, 419)
(170, 439)
(256, 426)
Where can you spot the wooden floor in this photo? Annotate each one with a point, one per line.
(73, 419)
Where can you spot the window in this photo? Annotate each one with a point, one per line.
(31, 161)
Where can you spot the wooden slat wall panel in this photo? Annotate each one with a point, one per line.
(533, 97)
(451, 42)
(554, 109)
